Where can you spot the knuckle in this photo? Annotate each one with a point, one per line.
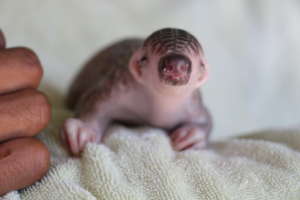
(20, 65)
(30, 59)
(40, 111)
(23, 113)
(72, 126)
(31, 167)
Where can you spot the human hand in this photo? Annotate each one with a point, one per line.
(24, 112)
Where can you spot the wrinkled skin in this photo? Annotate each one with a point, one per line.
(24, 112)
(142, 82)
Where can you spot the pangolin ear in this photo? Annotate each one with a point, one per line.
(136, 64)
(203, 75)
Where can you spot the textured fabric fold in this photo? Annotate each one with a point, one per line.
(140, 164)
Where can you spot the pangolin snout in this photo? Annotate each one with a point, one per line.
(174, 69)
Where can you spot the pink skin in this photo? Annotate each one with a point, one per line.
(79, 136)
(177, 109)
(188, 136)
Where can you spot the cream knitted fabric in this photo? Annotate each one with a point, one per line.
(139, 164)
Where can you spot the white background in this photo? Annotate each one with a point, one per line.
(252, 47)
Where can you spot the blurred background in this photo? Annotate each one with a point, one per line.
(252, 47)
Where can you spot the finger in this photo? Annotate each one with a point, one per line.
(179, 134)
(2, 40)
(174, 135)
(186, 133)
(84, 138)
(23, 113)
(22, 162)
(71, 131)
(191, 138)
(95, 137)
(19, 68)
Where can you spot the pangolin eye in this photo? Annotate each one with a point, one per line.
(144, 58)
(201, 63)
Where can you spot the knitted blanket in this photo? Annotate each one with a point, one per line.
(139, 164)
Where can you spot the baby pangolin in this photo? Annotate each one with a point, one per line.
(151, 82)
